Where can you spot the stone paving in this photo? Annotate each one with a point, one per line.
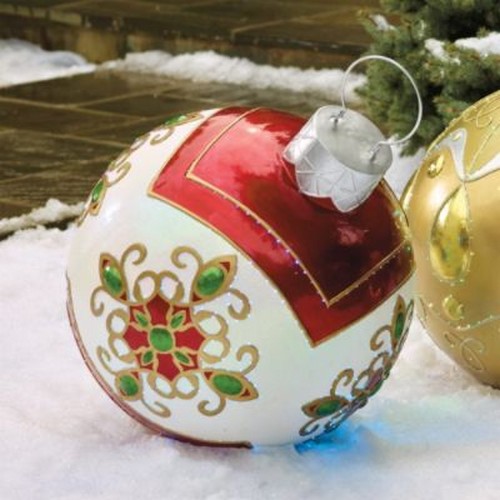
(58, 136)
(299, 32)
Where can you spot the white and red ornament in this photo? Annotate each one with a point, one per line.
(217, 304)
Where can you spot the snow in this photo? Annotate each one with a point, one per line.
(53, 211)
(436, 48)
(381, 22)
(431, 431)
(402, 168)
(209, 66)
(22, 62)
(484, 46)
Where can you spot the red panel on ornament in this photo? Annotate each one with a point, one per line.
(332, 268)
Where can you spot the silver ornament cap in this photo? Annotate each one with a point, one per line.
(338, 155)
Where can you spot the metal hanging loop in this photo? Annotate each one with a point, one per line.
(405, 72)
(340, 154)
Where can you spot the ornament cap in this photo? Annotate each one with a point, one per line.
(334, 156)
(340, 154)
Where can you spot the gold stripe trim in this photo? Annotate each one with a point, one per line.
(280, 240)
(374, 270)
(361, 318)
(277, 288)
(265, 276)
(430, 309)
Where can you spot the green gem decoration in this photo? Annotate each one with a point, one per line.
(182, 358)
(399, 325)
(227, 384)
(98, 191)
(156, 348)
(141, 319)
(113, 280)
(128, 385)
(210, 281)
(177, 320)
(175, 120)
(147, 357)
(328, 407)
(161, 339)
(349, 391)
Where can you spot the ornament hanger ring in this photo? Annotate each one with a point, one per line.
(415, 88)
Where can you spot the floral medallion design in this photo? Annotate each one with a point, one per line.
(119, 167)
(349, 392)
(164, 341)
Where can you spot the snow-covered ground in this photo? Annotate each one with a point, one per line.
(22, 62)
(431, 432)
(209, 66)
(52, 211)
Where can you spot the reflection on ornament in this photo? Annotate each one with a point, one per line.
(449, 248)
(211, 299)
(456, 237)
(453, 308)
(436, 166)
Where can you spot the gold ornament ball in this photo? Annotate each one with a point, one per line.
(453, 207)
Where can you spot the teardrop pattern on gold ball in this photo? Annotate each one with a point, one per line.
(436, 166)
(452, 204)
(449, 249)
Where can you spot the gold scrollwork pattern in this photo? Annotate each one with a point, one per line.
(164, 341)
(349, 391)
(119, 167)
(469, 349)
(484, 114)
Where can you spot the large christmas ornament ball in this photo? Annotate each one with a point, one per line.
(217, 304)
(452, 205)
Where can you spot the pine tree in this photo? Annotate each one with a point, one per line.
(448, 83)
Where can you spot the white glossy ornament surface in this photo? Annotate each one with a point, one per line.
(286, 371)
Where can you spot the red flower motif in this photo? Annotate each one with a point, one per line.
(163, 337)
